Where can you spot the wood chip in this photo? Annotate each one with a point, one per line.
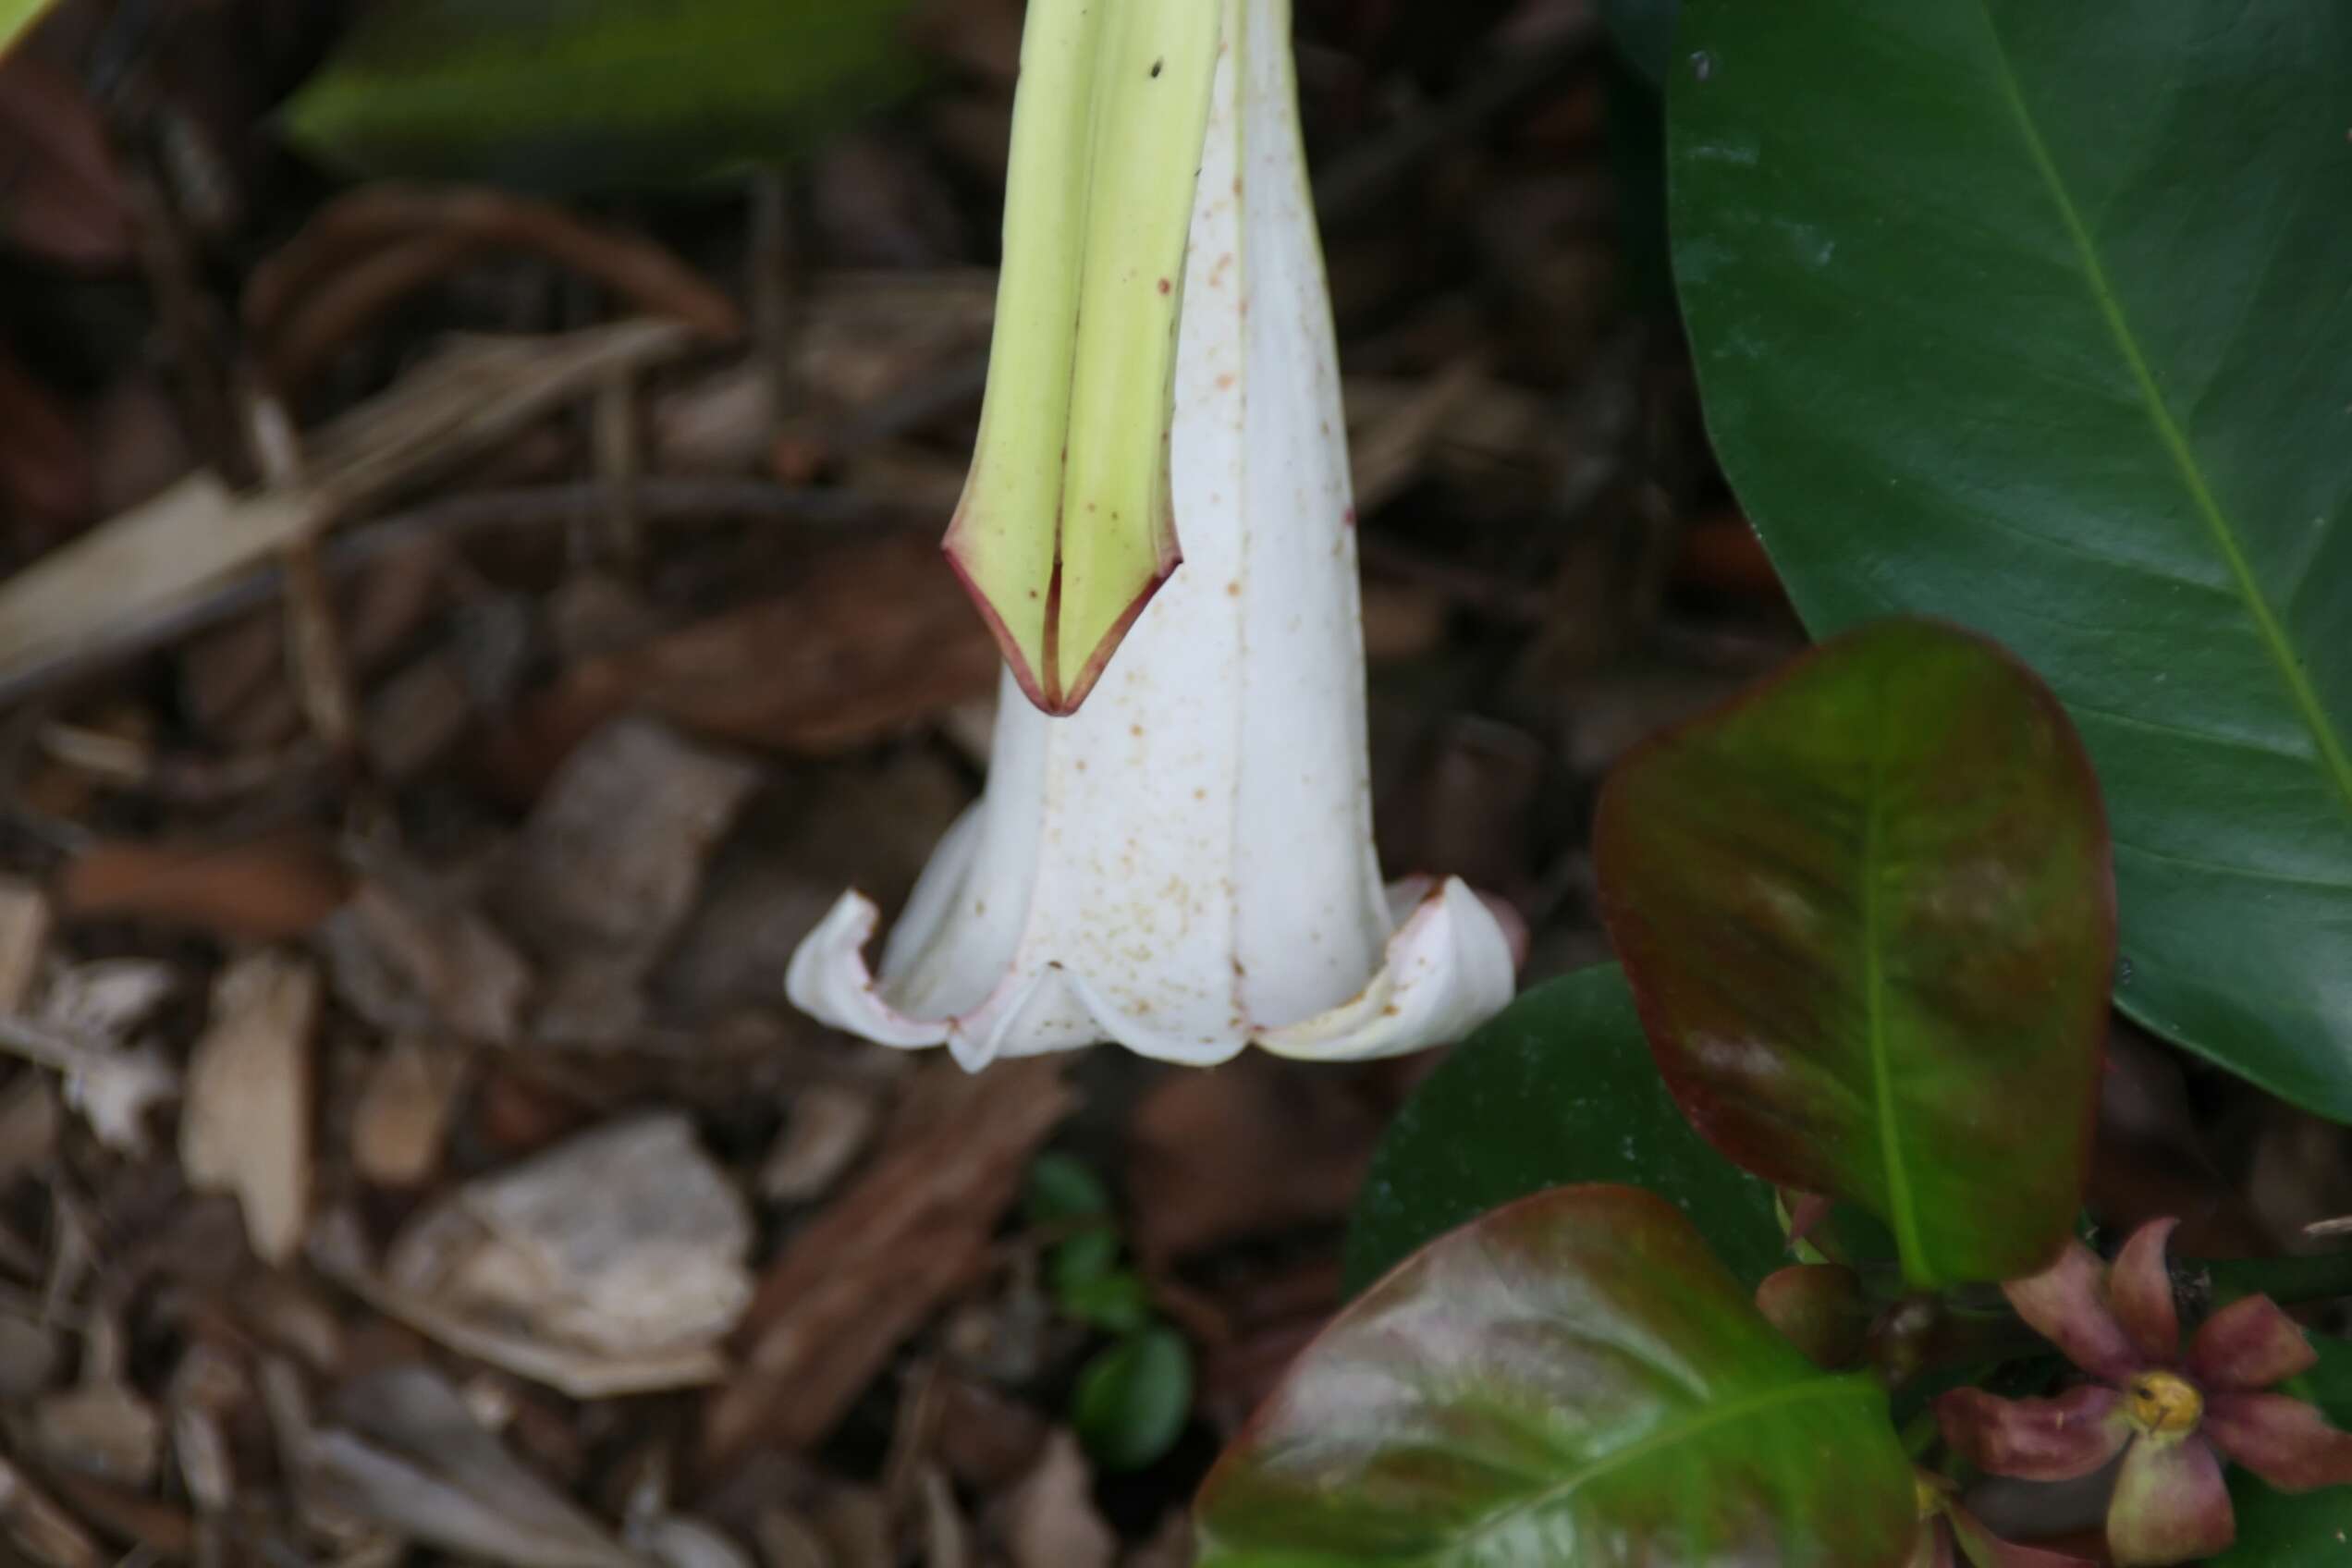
(634, 1239)
(29, 1118)
(246, 1126)
(36, 1526)
(100, 1429)
(611, 858)
(882, 1257)
(121, 586)
(24, 936)
(1050, 1520)
(269, 889)
(407, 1453)
(408, 956)
(402, 1118)
(610, 1264)
(828, 1127)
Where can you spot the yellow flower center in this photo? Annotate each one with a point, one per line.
(2165, 1404)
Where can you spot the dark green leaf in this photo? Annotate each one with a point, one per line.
(1086, 1256)
(2310, 1530)
(1133, 1398)
(1558, 1089)
(2287, 1530)
(1644, 31)
(2033, 315)
(1572, 1381)
(596, 94)
(1866, 910)
(1119, 1303)
(1060, 1188)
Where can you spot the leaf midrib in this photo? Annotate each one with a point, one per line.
(1902, 1212)
(1714, 1415)
(2334, 759)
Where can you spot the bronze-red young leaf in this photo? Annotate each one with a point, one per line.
(1867, 912)
(1571, 1379)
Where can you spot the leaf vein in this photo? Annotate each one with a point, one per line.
(2335, 761)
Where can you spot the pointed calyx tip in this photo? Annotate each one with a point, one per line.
(1067, 523)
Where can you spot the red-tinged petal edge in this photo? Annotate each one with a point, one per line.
(2139, 1287)
(1985, 1550)
(1025, 675)
(2169, 1505)
(2285, 1441)
(2035, 1439)
(2249, 1345)
(2066, 1303)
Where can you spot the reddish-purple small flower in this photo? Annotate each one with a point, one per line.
(2173, 1417)
(1951, 1537)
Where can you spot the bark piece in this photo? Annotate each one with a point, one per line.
(871, 1269)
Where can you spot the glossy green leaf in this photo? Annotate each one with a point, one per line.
(1572, 1381)
(596, 94)
(1558, 1089)
(1133, 1398)
(2298, 1530)
(1644, 32)
(2033, 315)
(1866, 910)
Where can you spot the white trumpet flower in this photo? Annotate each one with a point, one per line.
(1185, 865)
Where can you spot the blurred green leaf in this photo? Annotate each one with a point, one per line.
(1061, 1188)
(596, 94)
(1133, 1398)
(1118, 1303)
(1084, 1257)
(2298, 1530)
(2032, 314)
(1558, 1088)
(1571, 1382)
(1866, 910)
